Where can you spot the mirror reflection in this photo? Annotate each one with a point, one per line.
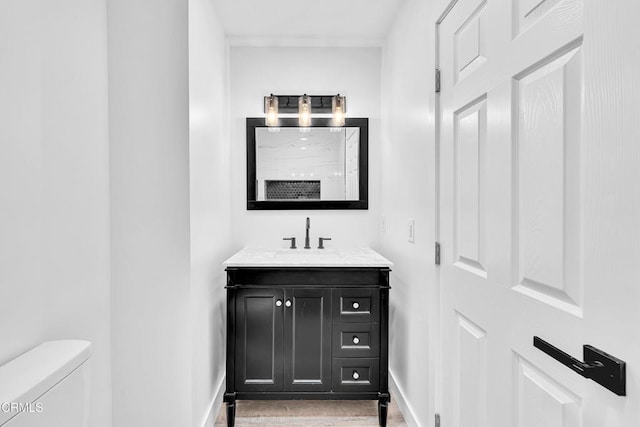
(316, 167)
(318, 163)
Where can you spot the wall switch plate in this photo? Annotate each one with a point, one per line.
(383, 224)
(412, 231)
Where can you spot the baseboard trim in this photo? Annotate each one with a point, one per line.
(214, 407)
(401, 400)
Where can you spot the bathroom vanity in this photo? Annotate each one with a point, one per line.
(307, 324)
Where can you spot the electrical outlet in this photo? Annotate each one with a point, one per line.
(383, 224)
(412, 230)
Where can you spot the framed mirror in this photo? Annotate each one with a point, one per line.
(318, 167)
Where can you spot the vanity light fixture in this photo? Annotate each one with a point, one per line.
(338, 109)
(305, 106)
(271, 110)
(304, 110)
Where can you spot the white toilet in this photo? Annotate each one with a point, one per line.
(47, 386)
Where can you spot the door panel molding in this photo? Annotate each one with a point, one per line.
(470, 378)
(547, 207)
(541, 400)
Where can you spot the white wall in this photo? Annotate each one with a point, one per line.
(54, 185)
(258, 71)
(408, 191)
(149, 175)
(210, 212)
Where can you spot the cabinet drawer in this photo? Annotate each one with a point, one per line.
(352, 305)
(356, 340)
(355, 374)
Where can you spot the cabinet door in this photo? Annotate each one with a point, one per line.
(307, 340)
(259, 319)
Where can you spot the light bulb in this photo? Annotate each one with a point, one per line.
(271, 110)
(304, 111)
(338, 109)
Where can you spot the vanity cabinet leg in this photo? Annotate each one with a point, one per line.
(383, 406)
(230, 400)
(231, 414)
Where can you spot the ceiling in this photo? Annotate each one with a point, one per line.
(322, 22)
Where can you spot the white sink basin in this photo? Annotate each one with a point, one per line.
(329, 257)
(307, 252)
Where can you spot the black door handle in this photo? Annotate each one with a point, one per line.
(606, 370)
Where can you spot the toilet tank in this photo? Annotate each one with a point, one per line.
(47, 386)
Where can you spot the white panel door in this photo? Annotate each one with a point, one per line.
(519, 221)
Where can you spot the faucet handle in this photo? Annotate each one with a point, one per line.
(321, 241)
(293, 242)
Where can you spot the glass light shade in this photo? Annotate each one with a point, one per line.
(338, 109)
(304, 111)
(271, 110)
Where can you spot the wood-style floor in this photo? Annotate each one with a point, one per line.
(310, 413)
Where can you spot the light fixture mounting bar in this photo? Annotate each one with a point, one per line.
(319, 103)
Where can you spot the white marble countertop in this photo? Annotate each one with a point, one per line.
(330, 257)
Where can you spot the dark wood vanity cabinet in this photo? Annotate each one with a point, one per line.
(280, 341)
(307, 333)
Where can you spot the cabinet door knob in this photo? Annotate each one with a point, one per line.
(278, 303)
(355, 375)
(356, 340)
(356, 305)
(288, 303)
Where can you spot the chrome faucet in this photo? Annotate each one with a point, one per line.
(306, 235)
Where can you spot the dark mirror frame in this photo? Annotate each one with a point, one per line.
(363, 168)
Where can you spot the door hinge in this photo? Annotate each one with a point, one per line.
(437, 420)
(437, 253)
(437, 80)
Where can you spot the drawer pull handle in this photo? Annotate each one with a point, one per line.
(356, 340)
(288, 303)
(356, 305)
(278, 303)
(355, 375)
